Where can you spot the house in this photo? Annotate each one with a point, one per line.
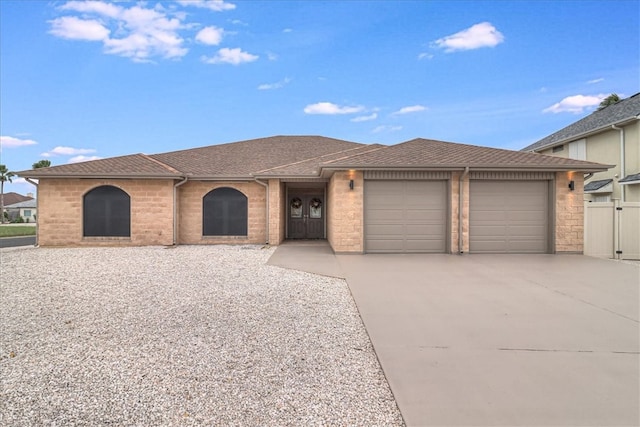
(12, 198)
(609, 136)
(25, 210)
(421, 196)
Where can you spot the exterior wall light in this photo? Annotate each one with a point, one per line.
(572, 185)
(350, 184)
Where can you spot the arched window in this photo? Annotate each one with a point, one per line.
(224, 213)
(106, 212)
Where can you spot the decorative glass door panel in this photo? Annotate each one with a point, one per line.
(305, 214)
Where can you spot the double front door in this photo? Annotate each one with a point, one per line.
(305, 213)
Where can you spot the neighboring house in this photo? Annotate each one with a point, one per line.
(13, 198)
(26, 210)
(610, 136)
(420, 196)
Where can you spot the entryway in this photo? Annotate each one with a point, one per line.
(306, 213)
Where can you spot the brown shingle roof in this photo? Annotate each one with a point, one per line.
(426, 153)
(242, 159)
(134, 165)
(13, 198)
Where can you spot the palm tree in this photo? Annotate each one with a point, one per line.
(5, 175)
(41, 164)
(609, 100)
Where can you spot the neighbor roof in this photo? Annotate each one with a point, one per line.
(11, 198)
(621, 112)
(430, 154)
(31, 203)
(596, 185)
(630, 179)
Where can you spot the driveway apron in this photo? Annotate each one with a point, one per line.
(503, 339)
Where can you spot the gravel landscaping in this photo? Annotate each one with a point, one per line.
(195, 335)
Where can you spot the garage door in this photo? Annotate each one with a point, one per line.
(405, 216)
(508, 216)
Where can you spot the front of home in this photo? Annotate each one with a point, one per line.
(420, 196)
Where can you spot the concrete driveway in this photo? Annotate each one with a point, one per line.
(503, 339)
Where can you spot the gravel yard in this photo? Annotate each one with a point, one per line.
(196, 335)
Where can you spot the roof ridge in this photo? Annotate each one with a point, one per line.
(374, 148)
(164, 165)
(306, 160)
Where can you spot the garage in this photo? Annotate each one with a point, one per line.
(508, 216)
(405, 216)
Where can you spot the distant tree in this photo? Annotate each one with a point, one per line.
(609, 100)
(5, 175)
(41, 164)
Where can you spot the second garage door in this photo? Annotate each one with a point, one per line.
(508, 217)
(405, 216)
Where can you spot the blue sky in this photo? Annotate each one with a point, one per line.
(84, 80)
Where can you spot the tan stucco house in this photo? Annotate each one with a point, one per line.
(420, 196)
(610, 136)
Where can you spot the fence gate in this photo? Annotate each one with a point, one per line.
(612, 230)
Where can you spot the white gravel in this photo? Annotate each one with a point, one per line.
(196, 335)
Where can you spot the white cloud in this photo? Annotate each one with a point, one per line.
(72, 28)
(67, 151)
(214, 5)
(11, 142)
(272, 56)
(287, 30)
(425, 55)
(330, 108)
(137, 32)
(575, 104)
(229, 56)
(594, 81)
(474, 37)
(277, 85)
(210, 35)
(408, 110)
(358, 119)
(386, 128)
(78, 159)
(99, 7)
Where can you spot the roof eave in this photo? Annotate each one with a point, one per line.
(100, 176)
(586, 134)
(457, 167)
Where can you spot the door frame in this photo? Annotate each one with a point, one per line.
(301, 187)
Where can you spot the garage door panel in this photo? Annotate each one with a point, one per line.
(412, 220)
(508, 216)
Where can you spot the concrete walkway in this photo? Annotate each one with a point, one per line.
(512, 340)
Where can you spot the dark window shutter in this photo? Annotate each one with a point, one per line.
(224, 213)
(106, 212)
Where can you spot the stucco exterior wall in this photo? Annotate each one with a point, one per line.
(60, 212)
(190, 197)
(604, 148)
(345, 208)
(569, 213)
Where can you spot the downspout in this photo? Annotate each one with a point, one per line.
(622, 169)
(460, 193)
(30, 181)
(266, 190)
(175, 209)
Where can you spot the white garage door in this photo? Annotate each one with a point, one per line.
(405, 216)
(508, 217)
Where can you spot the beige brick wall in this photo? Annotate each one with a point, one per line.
(345, 207)
(454, 197)
(60, 212)
(190, 197)
(277, 212)
(569, 216)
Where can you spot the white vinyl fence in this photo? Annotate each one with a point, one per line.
(612, 230)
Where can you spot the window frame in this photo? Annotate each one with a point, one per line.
(220, 217)
(116, 207)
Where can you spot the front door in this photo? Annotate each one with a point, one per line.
(306, 212)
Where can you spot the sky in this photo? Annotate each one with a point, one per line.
(83, 80)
